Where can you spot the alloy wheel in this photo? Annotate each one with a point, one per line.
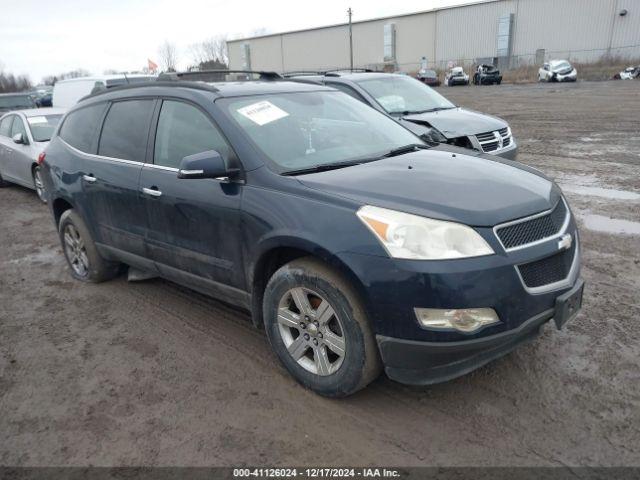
(37, 180)
(311, 331)
(75, 250)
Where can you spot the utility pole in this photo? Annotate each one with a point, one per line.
(350, 12)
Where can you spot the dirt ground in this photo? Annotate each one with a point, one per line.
(153, 374)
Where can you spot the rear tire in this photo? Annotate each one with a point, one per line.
(3, 183)
(317, 327)
(38, 184)
(81, 253)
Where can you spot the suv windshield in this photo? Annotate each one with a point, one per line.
(561, 66)
(42, 126)
(299, 131)
(403, 95)
(16, 101)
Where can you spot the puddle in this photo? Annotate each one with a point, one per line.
(600, 223)
(600, 192)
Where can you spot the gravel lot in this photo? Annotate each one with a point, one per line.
(153, 374)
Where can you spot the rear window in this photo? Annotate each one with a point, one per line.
(125, 130)
(81, 126)
(42, 126)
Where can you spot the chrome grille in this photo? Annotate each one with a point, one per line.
(518, 233)
(548, 270)
(495, 140)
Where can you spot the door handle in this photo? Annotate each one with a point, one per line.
(153, 191)
(89, 178)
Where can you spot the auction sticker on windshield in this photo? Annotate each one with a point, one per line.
(262, 112)
(36, 120)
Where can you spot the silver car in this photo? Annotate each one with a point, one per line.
(23, 136)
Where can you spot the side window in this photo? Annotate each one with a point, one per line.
(125, 130)
(80, 127)
(5, 126)
(18, 127)
(346, 89)
(184, 130)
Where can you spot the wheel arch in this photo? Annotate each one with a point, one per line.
(279, 251)
(59, 206)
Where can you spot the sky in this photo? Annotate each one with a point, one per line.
(47, 37)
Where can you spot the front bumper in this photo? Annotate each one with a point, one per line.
(424, 363)
(510, 152)
(569, 77)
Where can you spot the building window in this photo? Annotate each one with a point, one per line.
(390, 42)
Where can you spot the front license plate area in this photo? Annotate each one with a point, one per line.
(568, 305)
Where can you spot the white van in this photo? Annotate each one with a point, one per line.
(66, 93)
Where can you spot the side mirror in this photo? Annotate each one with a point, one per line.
(19, 139)
(209, 164)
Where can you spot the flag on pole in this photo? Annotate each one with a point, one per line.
(152, 65)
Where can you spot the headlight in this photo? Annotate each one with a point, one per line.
(413, 237)
(433, 136)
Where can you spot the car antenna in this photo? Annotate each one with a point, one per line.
(125, 77)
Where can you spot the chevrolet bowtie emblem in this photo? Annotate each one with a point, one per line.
(498, 138)
(565, 242)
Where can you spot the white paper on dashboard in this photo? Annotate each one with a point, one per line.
(262, 112)
(34, 120)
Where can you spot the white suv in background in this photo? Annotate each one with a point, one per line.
(557, 71)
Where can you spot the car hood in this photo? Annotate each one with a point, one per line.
(457, 122)
(563, 70)
(444, 185)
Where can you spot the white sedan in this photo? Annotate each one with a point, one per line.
(557, 71)
(23, 136)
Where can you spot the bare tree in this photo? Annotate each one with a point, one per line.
(168, 56)
(211, 52)
(78, 72)
(13, 83)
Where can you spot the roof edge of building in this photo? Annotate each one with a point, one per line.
(376, 19)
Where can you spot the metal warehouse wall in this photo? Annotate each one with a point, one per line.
(582, 30)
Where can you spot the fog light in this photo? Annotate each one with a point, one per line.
(465, 320)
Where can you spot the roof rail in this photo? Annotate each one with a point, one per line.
(215, 75)
(302, 73)
(157, 83)
(335, 72)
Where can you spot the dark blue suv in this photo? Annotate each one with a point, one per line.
(354, 243)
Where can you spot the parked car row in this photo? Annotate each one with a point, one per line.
(354, 239)
(486, 74)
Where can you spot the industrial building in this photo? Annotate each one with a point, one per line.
(509, 33)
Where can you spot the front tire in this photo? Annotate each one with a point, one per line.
(3, 183)
(81, 253)
(317, 327)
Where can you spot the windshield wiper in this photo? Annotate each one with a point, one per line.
(323, 167)
(417, 112)
(412, 147)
